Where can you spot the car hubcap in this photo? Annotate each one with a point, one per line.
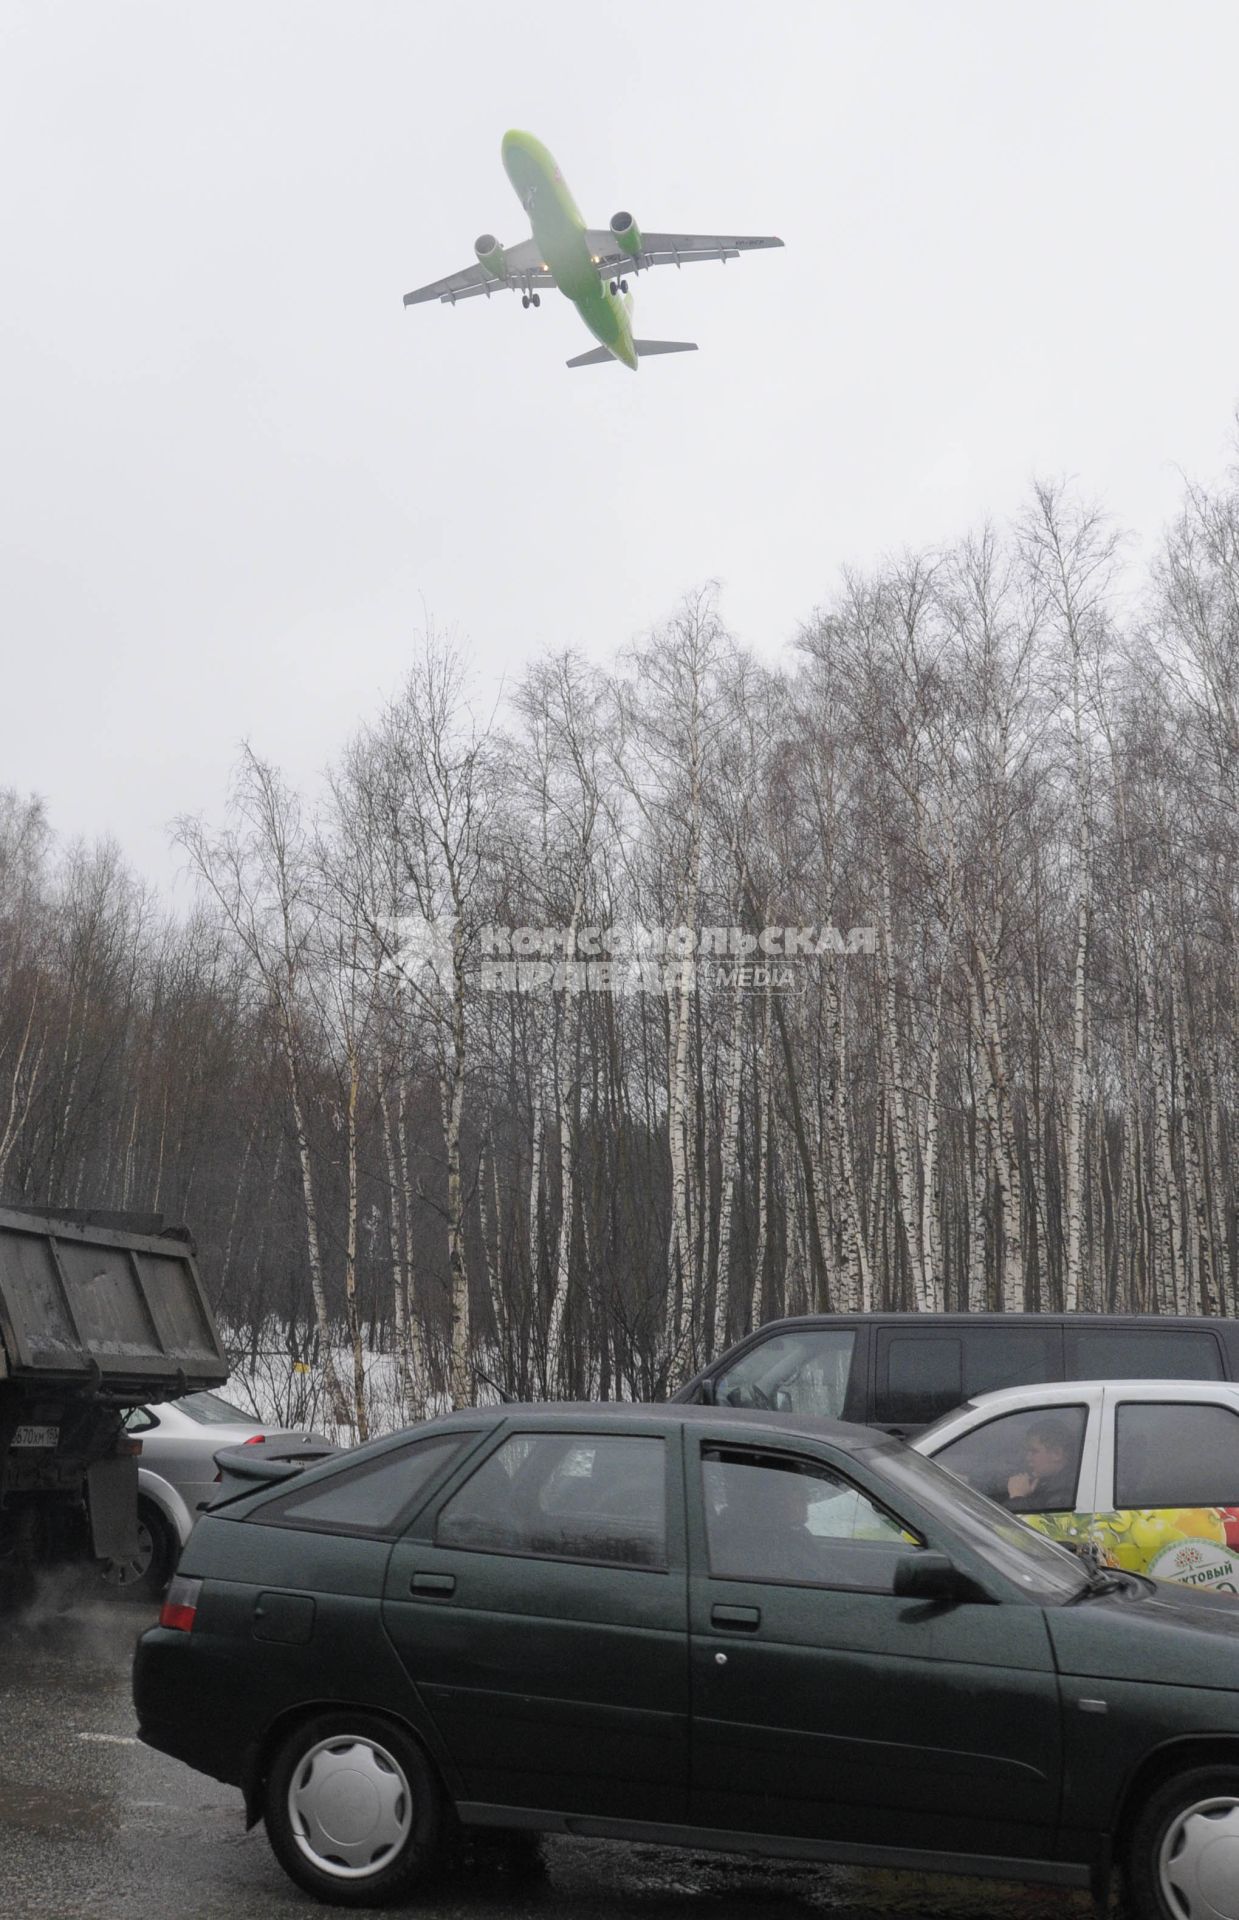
(127, 1573)
(1199, 1862)
(349, 1807)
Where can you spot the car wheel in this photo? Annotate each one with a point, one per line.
(353, 1809)
(1183, 1857)
(145, 1574)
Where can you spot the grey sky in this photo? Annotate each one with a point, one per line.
(238, 475)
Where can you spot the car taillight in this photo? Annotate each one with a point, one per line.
(128, 1445)
(180, 1604)
(255, 1440)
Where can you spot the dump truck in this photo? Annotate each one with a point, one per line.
(99, 1313)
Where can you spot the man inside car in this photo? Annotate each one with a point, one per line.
(1047, 1483)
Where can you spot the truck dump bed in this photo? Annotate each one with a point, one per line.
(109, 1301)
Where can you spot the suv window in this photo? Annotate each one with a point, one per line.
(922, 1376)
(1029, 1461)
(803, 1371)
(1171, 1455)
(374, 1497)
(922, 1373)
(771, 1516)
(1010, 1357)
(1137, 1353)
(565, 1496)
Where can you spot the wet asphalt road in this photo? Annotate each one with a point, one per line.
(92, 1824)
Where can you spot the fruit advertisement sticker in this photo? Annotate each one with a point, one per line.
(1197, 1546)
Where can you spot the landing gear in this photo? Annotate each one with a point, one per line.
(531, 299)
(536, 298)
(623, 286)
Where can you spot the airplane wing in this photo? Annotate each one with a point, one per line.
(673, 249)
(524, 271)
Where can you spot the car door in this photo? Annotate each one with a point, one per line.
(1037, 1460)
(825, 1707)
(1168, 1483)
(541, 1610)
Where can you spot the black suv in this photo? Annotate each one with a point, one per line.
(900, 1371)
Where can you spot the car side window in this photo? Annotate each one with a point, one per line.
(1029, 1462)
(374, 1497)
(778, 1517)
(565, 1496)
(140, 1420)
(803, 1371)
(1175, 1455)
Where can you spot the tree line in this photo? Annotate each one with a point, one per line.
(559, 1041)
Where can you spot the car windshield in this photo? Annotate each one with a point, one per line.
(210, 1411)
(1045, 1572)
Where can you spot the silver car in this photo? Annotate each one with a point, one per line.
(177, 1478)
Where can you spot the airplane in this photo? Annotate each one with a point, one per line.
(589, 265)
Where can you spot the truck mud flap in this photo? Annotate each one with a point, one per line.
(112, 1494)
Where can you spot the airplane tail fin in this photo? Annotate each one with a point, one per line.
(599, 355)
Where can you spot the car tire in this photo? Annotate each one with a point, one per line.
(147, 1574)
(1174, 1865)
(353, 1809)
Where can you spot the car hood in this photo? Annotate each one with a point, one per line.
(1174, 1635)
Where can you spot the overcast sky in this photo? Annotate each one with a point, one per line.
(238, 476)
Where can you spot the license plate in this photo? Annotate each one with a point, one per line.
(37, 1437)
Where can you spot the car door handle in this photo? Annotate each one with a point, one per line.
(736, 1619)
(433, 1585)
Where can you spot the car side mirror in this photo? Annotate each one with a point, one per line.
(705, 1394)
(932, 1576)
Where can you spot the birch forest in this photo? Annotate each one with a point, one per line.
(998, 785)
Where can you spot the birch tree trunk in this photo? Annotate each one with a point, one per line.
(727, 1171)
(352, 1317)
(905, 1170)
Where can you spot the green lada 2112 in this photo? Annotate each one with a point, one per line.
(692, 1626)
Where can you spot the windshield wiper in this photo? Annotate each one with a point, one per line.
(1099, 1581)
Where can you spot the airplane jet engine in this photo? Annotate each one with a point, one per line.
(627, 233)
(491, 255)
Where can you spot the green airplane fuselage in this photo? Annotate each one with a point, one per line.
(560, 231)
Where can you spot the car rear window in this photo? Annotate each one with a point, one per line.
(1175, 1455)
(210, 1411)
(374, 1497)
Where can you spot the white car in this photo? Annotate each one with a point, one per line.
(1144, 1474)
(177, 1478)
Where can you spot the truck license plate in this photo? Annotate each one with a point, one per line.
(37, 1437)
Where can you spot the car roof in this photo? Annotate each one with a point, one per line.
(1057, 1392)
(746, 1421)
